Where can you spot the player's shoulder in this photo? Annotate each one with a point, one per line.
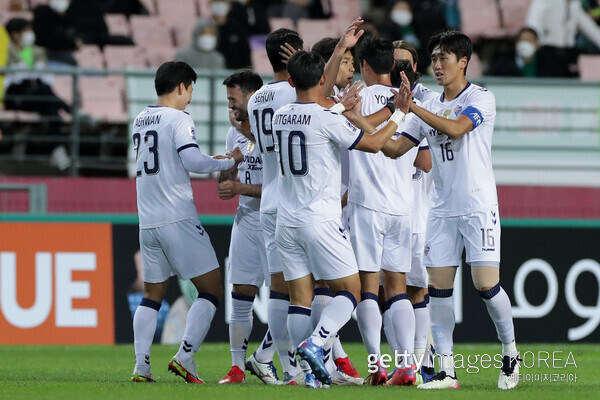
(478, 92)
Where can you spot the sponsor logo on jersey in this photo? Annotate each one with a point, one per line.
(192, 132)
(250, 147)
(427, 249)
(457, 110)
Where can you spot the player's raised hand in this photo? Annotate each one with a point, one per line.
(237, 155)
(287, 50)
(227, 190)
(403, 96)
(351, 36)
(350, 97)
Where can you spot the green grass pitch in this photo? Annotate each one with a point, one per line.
(103, 372)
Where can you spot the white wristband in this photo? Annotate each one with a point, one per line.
(338, 108)
(397, 117)
(231, 163)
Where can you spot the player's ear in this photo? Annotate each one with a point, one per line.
(323, 80)
(291, 82)
(463, 62)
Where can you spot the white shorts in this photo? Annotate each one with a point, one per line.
(380, 240)
(418, 273)
(323, 250)
(478, 233)
(248, 257)
(181, 248)
(268, 223)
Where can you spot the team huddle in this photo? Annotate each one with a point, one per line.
(352, 196)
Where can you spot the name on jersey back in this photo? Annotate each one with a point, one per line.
(147, 120)
(292, 119)
(264, 97)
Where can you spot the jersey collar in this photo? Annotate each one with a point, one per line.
(457, 96)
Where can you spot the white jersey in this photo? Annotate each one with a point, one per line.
(422, 184)
(164, 191)
(261, 107)
(422, 93)
(462, 169)
(378, 182)
(309, 140)
(249, 173)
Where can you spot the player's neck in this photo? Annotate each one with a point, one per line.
(281, 76)
(453, 89)
(383, 79)
(168, 101)
(312, 95)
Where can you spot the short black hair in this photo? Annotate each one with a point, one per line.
(325, 47)
(453, 42)
(247, 80)
(170, 74)
(527, 29)
(378, 52)
(17, 25)
(306, 69)
(403, 66)
(404, 45)
(277, 39)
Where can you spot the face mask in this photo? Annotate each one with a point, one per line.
(219, 9)
(525, 49)
(60, 6)
(401, 17)
(206, 42)
(28, 39)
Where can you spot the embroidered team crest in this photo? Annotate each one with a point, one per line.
(446, 113)
(427, 248)
(458, 110)
(250, 147)
(192, 132)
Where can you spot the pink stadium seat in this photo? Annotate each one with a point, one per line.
(480, 18)
(182, 32)
(117, 24)
(34, 3)
(150, 6)
(150, 31)
(514, 13)
(102, 97)
(278, 23)
(63, 87)
(204, 8)
(313, 30)
(155, 56)
(120, 57)
(175, 11)
(589, 68)
(260, 61)
(7, 16)
(474, 67)
(89, 56)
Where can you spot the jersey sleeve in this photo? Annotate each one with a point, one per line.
(424, 145)
(340, 130)
(481, 106)
(412, 128)
(230, 140)
(184, 132)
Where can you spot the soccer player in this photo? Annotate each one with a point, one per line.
(309, 233)
(380, 203)
(172, 241)
(261, 107)
(464, 215)
(247, 253)
(326, 47)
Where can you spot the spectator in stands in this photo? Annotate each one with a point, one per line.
(557, 23)
(201, 52)
(296, 9)
(520, 59)
(54, 32)
(126, 7)
(233, 35)
(252, 14)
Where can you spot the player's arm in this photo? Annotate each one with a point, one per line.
(345, 199)
(453, 128)
(229, 189)
(194, 160)
(423, 159)
(242, 126)
(228, 175)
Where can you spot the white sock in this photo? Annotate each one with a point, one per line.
(403, 320)
(144, 326)
(388, 328)
(265, 352)
(334, 317)
(498, 306)
(338, 349)
(240, 327)
(369, 322)
(298, 323)
(323, 297)
(442, 326)
(197, 324)
(278, 313)
(421, 331)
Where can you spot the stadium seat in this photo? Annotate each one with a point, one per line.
(278, 23)
(150, 6)
(63, 87)
(480, 18)
(313, 30)
(150, 31)
(182, 31)
(117, 24)
(344, 12)
(89, 56)
(120, 57)
(204, 8)
(474, 69)
(514, 13)
(7, 16)
(589, 67)
(102, 97)
(260, 61)
(155, 56)
(175, 11)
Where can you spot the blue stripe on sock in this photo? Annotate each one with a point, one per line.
(349, 296)
(398, 297)
(279, 296)
(433, 292)
(384, 307)
(299, 310)
(369, 296)
(210, 297)
(146, 302)
(242, 297)
(324, 291)
(421, 304)
(488, 294)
